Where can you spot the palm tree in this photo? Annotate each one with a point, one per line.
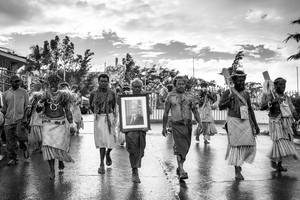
(296, 37)
(35, 59)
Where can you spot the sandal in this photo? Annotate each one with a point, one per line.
(101, 170)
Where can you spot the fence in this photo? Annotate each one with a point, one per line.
(219, 115)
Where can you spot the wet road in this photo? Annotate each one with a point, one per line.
(209, 175)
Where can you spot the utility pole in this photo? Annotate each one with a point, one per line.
(193, 68)
(145, 74)
(297, 82)
(104, 67)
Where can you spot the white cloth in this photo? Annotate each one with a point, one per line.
(104, 138)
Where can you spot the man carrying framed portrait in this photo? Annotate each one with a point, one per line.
(134, 122)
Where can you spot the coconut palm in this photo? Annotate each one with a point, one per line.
(295, 37)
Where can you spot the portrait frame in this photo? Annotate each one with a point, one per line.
(134, 112)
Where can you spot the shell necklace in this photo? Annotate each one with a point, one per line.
(53, 101)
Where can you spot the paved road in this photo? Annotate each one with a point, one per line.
(209, 175)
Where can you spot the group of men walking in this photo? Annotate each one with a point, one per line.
(181, 106)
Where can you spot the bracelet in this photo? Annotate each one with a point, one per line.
(269, 104)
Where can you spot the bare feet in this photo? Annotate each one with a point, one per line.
(61, 165)
(183, 175)
(51, 175)
(101, 170)
(281, 169)
(273, 164)
(238, 174)
(135, 176)
(206, 142)
(108, 159)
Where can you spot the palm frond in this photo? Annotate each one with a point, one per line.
(295, 37)
(294, 57)
(297, 21)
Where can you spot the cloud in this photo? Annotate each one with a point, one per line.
(259, 53)
(255, 16)
(149, 54)
(4, 40)
(168, 32)
(16, 12)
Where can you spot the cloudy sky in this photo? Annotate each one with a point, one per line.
(169, 33)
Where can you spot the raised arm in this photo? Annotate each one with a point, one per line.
(265, 99)
(225, 100)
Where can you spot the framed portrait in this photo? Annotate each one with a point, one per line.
(134, 112)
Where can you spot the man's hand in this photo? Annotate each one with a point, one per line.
(257, 130)
(164, 132)
(146, 129)
(275, 100)
(231, 96)
(72, 131)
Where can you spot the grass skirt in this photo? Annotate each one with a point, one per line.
(281, 134)
(50, 153)
(238, 155)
